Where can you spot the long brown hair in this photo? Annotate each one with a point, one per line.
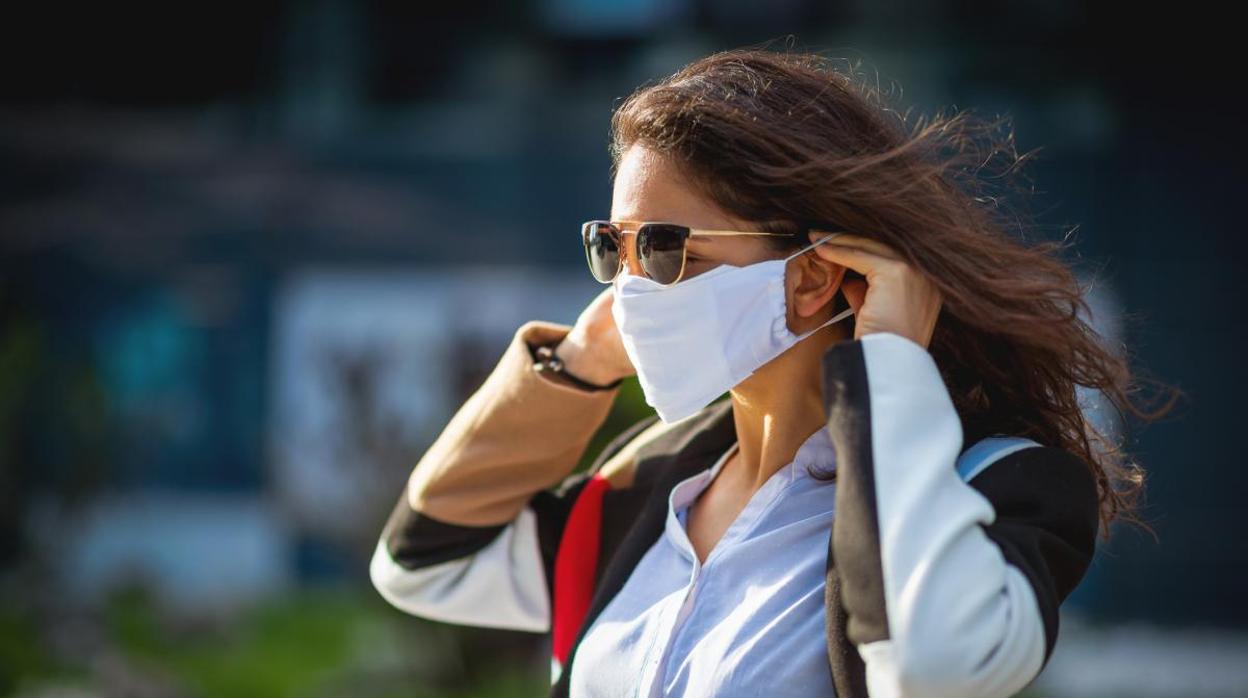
(792, 139)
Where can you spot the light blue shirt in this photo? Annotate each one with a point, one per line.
(748, 622)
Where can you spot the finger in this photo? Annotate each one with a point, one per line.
(855, 291)
(860, 260)
(850, 240)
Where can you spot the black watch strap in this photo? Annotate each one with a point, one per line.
(545, 361)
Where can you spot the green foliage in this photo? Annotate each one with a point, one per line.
(284, 649)
(308, 644)
(21, 654)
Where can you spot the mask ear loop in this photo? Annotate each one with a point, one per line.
(835, 318)
(811, 246)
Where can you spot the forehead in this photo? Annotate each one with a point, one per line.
(649, 188)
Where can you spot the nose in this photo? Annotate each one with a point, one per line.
(630, 253)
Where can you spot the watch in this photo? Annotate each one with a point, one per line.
(545, 361)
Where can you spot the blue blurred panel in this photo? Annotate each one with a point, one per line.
(195, 550)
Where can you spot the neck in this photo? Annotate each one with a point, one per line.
(778, 408)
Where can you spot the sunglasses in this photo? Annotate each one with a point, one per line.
(661, 247)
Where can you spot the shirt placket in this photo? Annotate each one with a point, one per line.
(655, 666)
(673, 615)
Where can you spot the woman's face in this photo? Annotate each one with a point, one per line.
(649, 189)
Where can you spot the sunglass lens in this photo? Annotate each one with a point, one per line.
(661, 251)
(602, 250)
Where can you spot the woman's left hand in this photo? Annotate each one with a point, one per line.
(894, 298)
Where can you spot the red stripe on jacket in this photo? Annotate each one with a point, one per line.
(576, 561)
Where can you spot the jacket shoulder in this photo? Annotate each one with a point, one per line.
(1043, 485)
(618, 461)
(1046, 517)
(646, 451)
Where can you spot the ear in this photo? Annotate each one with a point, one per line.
(812, 283)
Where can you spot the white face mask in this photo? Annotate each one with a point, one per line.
(695, 340)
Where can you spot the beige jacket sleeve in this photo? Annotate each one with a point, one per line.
(518, 434)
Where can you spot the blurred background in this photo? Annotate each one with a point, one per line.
(254, 255)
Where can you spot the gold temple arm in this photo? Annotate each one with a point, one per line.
(704, 231)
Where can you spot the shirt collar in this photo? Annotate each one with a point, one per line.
(816, 451)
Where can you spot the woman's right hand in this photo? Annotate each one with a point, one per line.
(593, 350)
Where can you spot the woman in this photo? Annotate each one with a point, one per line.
(895, 497)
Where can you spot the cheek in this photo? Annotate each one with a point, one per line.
(695, 266)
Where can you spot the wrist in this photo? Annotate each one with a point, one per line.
(579, 359)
